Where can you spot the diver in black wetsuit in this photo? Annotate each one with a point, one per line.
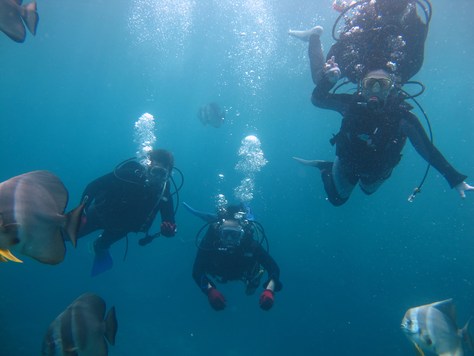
(127, 200)
(380, 49)
(376, 123)
(230, 252)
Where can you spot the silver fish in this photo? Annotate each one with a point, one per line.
(433, 328)
(81, 330)
(12, 16)
(32, 217)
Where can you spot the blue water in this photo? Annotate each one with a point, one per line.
(69, 99)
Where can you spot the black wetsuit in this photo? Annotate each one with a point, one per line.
(370, 142)
(122, 201)
(242, 263)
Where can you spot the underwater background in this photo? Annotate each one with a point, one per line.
(69, 100)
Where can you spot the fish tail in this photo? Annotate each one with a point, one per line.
(6, 255)
(467, 335)
(30, 16)
(111, 326)
(73, 222)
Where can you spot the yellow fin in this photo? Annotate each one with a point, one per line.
(6, 255)
(418, 350)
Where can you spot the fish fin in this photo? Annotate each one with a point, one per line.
(102, 262)
(457, 352)
(6, 255)
(467, 335)
(418, 350)
(314, 163)
(111, 326)
(14, 28)
(73, 222)
(30, 16)
(446, 307)
(207, 217)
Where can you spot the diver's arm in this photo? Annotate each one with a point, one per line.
(322, 98)
(167, 205)
(204, 255)
(269, 264)
(199, 272)
(168, 226)
(316, 57)
(420, 141)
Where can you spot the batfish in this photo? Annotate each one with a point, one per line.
(81, 329)
(211, 114)
(12, 15)
(433, 328)
(32, 219)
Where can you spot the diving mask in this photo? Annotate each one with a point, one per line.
(376, 85)
(230, 234)
(158, 173)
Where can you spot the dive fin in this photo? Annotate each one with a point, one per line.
(314, 163)
(102, 262)
(306, 34)
(310, 162)
(207, 217)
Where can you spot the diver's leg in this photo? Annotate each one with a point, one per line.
(370, 188)
(90, 222)
(108, 238)
(315, 50)
(316, 57)
(371, 184)
(338, 182)
(306, 34)
(102, 259)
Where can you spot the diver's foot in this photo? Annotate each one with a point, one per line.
(306, 34)
(321, 165)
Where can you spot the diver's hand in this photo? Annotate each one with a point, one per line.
(216, 299)
(331, 70)
(462, 188)
(266, 299)
(168, 229)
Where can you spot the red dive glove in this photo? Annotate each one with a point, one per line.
(216, 299)
(266, 299)
(168, 229)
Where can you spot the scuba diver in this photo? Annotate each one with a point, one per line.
(232, 250)
(381, 34)
(380, 48)
(127, 200)
(376, 123)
